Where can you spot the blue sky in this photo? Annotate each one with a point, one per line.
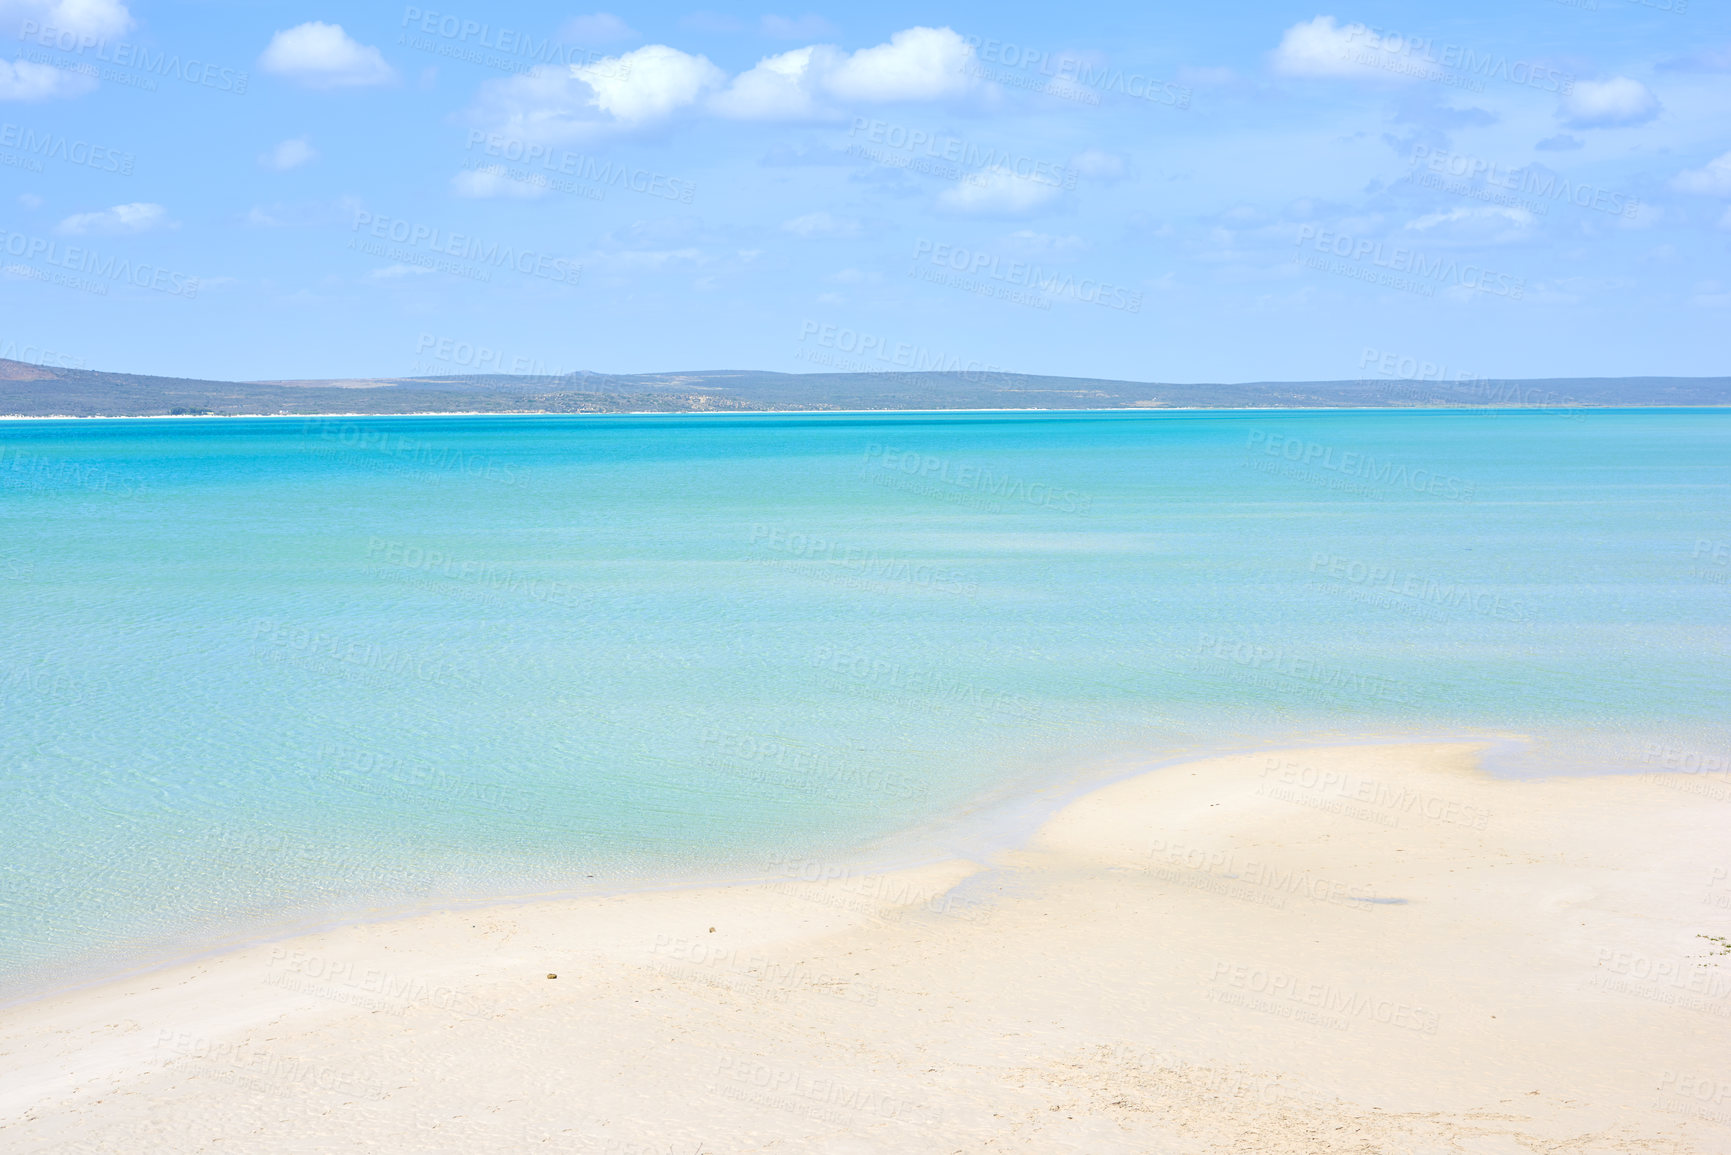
(271, 190)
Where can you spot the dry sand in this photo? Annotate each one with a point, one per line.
(1373, 948)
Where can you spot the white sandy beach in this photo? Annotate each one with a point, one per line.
(1370, 948)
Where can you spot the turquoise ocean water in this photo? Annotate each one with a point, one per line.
(259, 672)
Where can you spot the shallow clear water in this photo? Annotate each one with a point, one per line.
(257, 671)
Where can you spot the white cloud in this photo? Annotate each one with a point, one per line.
(30, 200)
(392, 272)
(322, 55)
(306, 214)
(84, 17)
(649, 84)
(1103, 166)
(1483, 224)
(289, 154)
(652, 259)
(544, 104)
(597, 28)
(822, 224)
(1045, 244)
(997, 191)
(1611, 103)
(1320, 48)
(811, 82)
(637, 90)
(807, 27)
(784, 87)
(1712, 179)
(25, 80)
(132, 218)
(493, 181)
(917, 64)
(616, 94)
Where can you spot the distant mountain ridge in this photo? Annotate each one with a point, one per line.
(32, 390)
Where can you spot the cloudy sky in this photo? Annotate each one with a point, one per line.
(1170, 193)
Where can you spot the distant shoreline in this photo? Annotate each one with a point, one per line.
(857, 412)
(37, 391)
